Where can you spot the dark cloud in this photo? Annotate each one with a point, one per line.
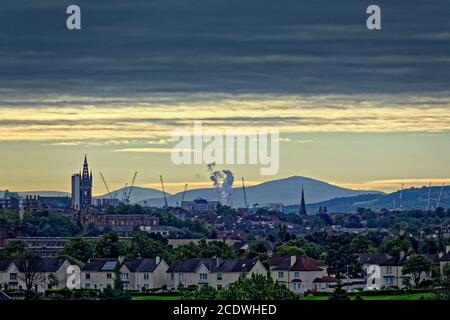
(231, 46)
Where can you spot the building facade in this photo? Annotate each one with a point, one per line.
(82, 188)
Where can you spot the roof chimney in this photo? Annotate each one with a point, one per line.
(293, 260)
(157, 260)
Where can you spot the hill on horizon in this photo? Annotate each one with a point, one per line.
(413, 198)
(286, 191)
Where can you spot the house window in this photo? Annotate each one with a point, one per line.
(219, 276)
(181, 276)
(297, 286)
(108, 276)
(88, 285)
(280, 274)
(388, 269)
(203, 277)
(145, 276)
(219, 287)
(124, 276)
(172, 276)
(88, 275)
(146, 286)
(13, 276)
(296, 274)
(108, 286)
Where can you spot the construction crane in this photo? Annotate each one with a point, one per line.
(124, 192)
(400, 196)
(127, 199)
(164, 192)
(106, 186)
(184, 193)
(245, 195)
(440, 195)
(429, 198)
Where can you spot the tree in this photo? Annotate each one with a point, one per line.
(341, 259)
(79, 249)
(257, 287)
(14, 249)
(446, 275)
(286, 250)
(108, 246)
(31, 273)
(416, 265)
(339, 293)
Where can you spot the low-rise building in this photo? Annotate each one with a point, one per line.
(215, 272)
(42, 274)
(298, 273)
(199, 205)
(135, 274)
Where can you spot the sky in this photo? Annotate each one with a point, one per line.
(359, 108)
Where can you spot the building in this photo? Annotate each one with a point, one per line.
(445, 260)
(135, 274)
(298, 273)
(144, 274)
(48, 247)
(49, 273)
(216, 272)
(38, 203)
(82, 188)
(276, 207)
(123, 224)
(199, 205)
(302, 211)
(98, 274)
(10, 200)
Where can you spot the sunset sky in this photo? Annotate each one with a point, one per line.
(358, 108)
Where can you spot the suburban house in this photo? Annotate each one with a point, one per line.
(445, 259)
(144, 274)
(215, 272)
(370, 263)
(135, 274)
(48, 273)
(391, 271)
(98, 273)
(298, 273)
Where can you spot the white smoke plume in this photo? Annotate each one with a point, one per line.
(223, 183)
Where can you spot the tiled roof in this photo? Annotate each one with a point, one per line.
(373, 258)
(213, 265)
(446, 257)
(324, 279)
(301, 264)
(100, 265)
(44, 264)
(141, 265)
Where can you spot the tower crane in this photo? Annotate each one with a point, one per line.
(245, 194)
(127, 200)
(164, 192)
(440, 196)
(184, 193)
(429, 197)
(106, 186)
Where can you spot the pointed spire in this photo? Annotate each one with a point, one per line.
(302, 210)
(85, 168)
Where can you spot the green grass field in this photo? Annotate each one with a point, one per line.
(412, 296)
(156, 298)
(402, 297)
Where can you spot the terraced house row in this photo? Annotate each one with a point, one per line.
(300, 274)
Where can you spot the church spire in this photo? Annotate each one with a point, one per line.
(302, 210)
(85, 168)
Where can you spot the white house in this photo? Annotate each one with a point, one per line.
(215, 272)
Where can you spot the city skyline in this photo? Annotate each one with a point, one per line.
(366, 109)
